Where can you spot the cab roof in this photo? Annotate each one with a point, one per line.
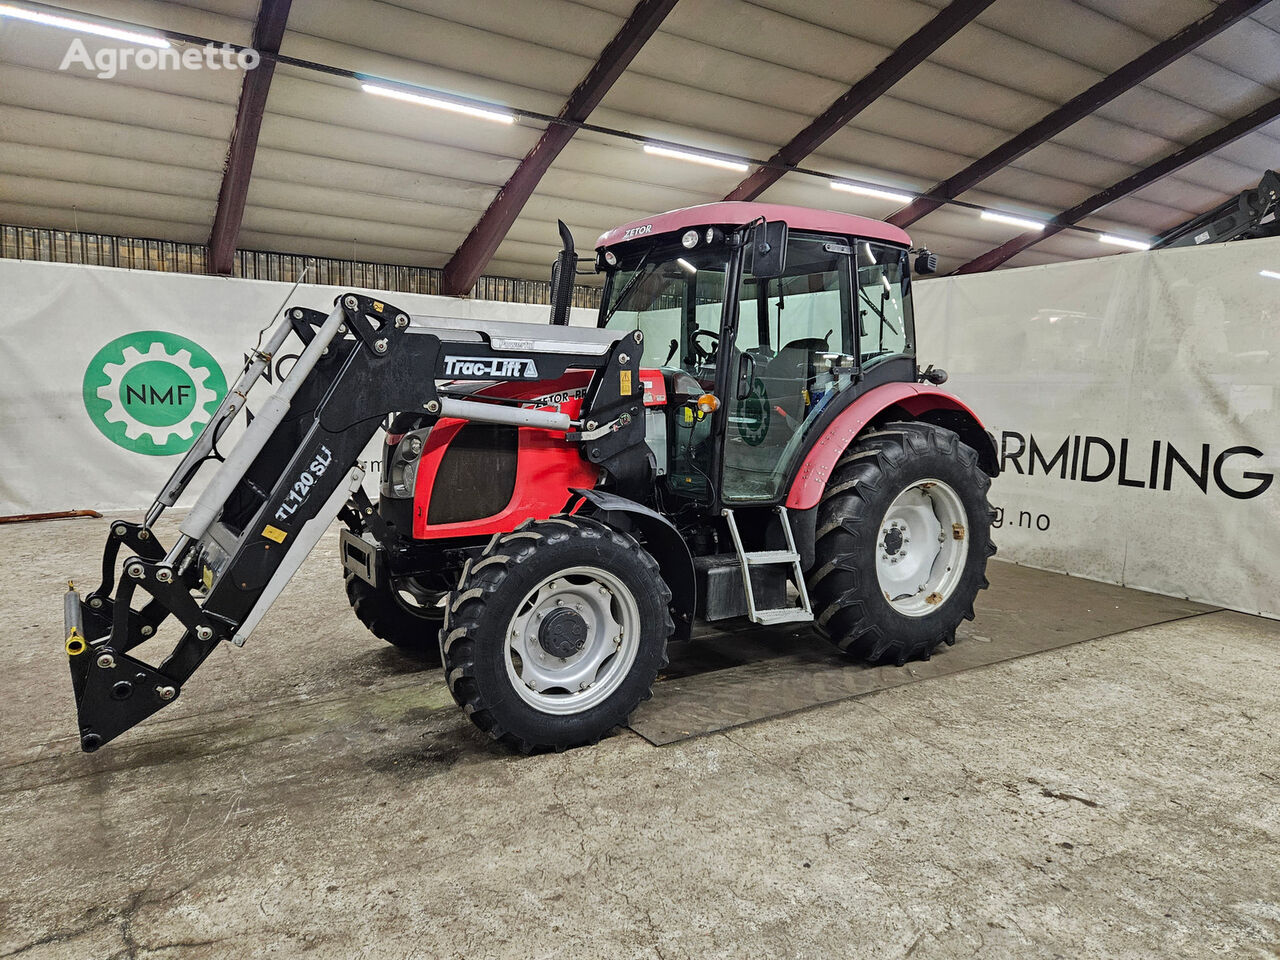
(736, 213)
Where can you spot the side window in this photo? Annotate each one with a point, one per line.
(802, 309)
(883, 310)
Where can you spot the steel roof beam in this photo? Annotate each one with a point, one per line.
(268, 32)
(914, 50)
(470, 259)
(1101, 93)
(1162, 168)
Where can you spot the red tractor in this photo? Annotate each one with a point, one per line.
(745, 433)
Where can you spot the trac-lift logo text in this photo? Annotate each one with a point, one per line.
(495, 368)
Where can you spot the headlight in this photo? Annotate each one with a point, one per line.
(689, 240)
(410, 447)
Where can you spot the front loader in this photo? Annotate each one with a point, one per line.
(744, 434)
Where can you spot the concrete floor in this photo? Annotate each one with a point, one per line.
(317, 792)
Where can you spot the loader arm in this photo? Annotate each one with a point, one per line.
(294, 469)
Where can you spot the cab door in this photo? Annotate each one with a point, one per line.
(795, 348)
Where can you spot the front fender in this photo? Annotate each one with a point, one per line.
(662, 540)
(911, 401)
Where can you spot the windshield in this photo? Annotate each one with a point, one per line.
(673, 296)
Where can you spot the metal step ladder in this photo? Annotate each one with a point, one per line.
(791, 614)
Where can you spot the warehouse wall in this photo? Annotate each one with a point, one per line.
(1135, 401)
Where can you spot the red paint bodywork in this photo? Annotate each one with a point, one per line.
(739, 212)
(547, 466)
(914, 398)
(655, 387)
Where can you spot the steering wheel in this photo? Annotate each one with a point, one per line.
(704, 355)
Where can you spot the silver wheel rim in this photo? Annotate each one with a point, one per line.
(578, 682)
(922, 548)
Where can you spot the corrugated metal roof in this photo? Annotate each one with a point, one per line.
(341, 173)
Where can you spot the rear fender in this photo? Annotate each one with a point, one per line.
(907, 401)
(662, 540)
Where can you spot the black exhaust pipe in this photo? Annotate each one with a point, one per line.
(562, 274)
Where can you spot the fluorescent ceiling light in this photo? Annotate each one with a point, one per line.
(81, 26)
(1124, 242)
(686, 264)
(1274, 275)
(497, 116)
(872, 192)
(695, 157)
(1025, 222)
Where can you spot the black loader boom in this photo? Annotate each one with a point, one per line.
(293, 471)
(1248, 215)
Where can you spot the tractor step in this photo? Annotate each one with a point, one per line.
(756, 558)
(771, 556)
(784, 615)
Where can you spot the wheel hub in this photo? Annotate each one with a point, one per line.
(893, 539)
(562, 633)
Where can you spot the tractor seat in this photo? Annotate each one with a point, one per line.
(788, 375)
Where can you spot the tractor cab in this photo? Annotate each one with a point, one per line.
(763, 321)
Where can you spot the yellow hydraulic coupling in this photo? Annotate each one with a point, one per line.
(75, 644)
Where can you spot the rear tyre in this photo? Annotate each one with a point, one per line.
(556, 633)
(410, 622)
(903, 537)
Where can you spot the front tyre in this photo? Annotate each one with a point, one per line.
(903, 537)
(556, 633)
(401, 613)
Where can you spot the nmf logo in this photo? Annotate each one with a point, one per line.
(152, 392)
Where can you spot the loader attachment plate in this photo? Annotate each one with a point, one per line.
(111, 699)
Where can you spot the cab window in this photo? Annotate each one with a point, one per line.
(885, 323)
(674, 297)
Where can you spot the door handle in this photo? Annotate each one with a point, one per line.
(746, 375)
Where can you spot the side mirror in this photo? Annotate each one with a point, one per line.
(934, 375)
(768, 249)
(562, 274)
(926, 263)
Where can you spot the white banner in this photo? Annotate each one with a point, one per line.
(1134, 400)
(107, 375)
